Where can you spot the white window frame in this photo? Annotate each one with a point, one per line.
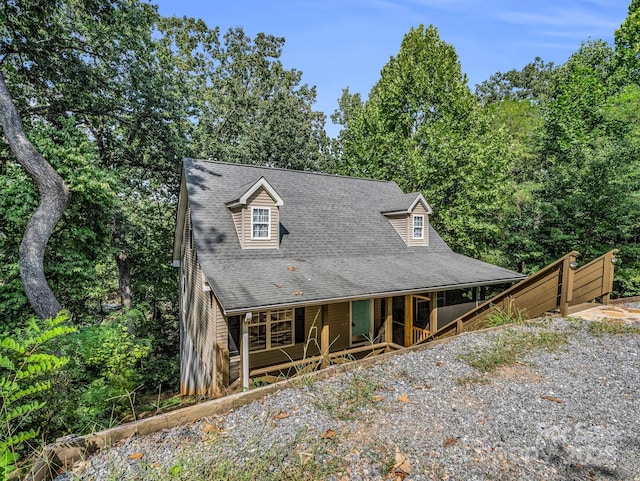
(266, 319)
(414, 227)
(268, 223)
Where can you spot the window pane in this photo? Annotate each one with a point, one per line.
(261, 230)
(417, 232)
(261, 215)
(281, 328)
(257, 337)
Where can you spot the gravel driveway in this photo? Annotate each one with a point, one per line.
(566, 410)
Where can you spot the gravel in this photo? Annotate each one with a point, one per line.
(572, 413)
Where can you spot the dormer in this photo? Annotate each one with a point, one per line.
(409, 216)
(256, 215)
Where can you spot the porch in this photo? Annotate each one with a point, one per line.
(336, 333)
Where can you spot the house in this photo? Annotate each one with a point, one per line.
(278, 267)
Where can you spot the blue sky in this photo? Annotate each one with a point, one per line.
(345, 43)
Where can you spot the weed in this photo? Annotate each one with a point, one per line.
(355, 394)
(600, 328)
(509, 314)
(512, 346)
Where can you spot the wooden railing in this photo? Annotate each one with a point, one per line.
(303, 366)
(556, 287)
(418, 334)
(595, 279)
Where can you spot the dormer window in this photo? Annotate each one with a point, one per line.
(256, 215)
(261, 223)
(418, 227)
(409, 215)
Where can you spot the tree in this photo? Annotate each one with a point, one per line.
(246, 107)
(531, 84)
(97, 64)
(627, 45)
(54, 195)
(423, 128)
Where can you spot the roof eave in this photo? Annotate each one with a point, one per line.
(333, 300)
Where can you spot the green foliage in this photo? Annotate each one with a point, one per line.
(246, 106)
(531, 84)
(422, 128)
(509, 314)
(27, 370)
(354, 395)
(98, 386)
(612, 328)
(511, 346)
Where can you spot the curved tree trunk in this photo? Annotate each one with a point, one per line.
(54, 197)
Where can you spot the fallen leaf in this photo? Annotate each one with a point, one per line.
(299, 260)
(328, 434)
(439, 363)
(278, 285)
(211, 428)
(449, 442)
(297, 293)
(402, 465)
(554, 399)
(137, 455)
(426, 386)
(378, 398)
(292, 268)
(280, 415)
(403, 398)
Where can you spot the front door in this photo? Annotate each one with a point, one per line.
(361, 321)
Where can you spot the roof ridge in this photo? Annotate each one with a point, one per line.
(311, 172)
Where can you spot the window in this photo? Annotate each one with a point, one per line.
(260, 223)
(271, 330)
(418, 227)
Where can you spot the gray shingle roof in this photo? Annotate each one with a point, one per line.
(335, 242)
(401, 203)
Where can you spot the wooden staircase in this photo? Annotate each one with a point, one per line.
(555, 288)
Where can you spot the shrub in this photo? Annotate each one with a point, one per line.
(26, 373)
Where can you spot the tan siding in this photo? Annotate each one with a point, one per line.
(399, 223)
(236, 213)
(340, 326)
(198, 326)
(261, 199)
(418, 210)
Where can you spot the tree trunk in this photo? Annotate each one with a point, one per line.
(54, 197)
(124, 279)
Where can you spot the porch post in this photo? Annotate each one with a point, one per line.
(388, 321)
(324, 337)
(566, 293)
(244, 351)
(607, 275)
(433, 313)
(408, 320)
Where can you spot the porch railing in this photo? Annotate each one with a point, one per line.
(556, 287)
(303, 366)
(418, 335)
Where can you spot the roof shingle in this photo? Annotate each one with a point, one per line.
(332, 230)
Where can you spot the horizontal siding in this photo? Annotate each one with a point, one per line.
(399, 223)
(198, 326)
(236, 214)
(261, 199)
(339, 326)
